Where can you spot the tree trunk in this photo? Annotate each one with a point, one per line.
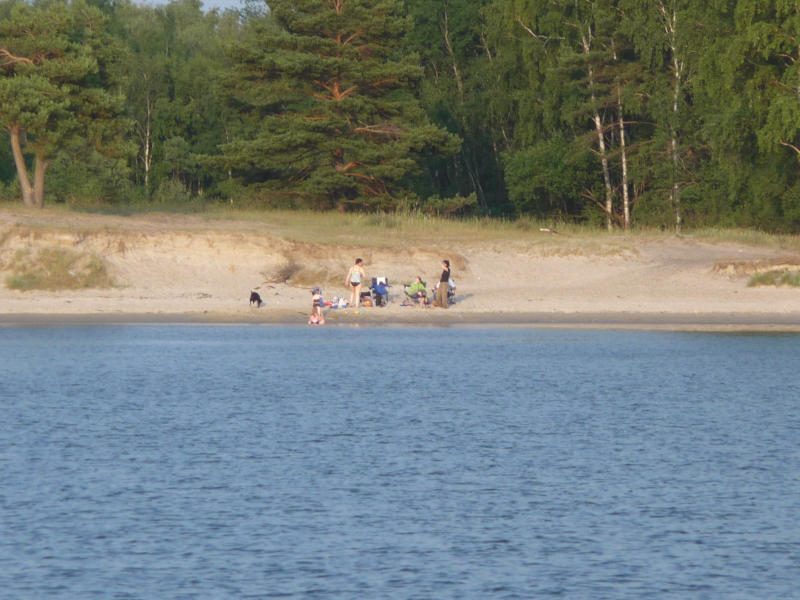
(676, 190)
(671, 29)
(148, 144)
(38, 181)
(474, 176)
(626, 202)
(22, 170)
(228, 141)
(449, 46)
(601, 143)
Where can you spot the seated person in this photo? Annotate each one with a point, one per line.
(417, 292)
(381, 290)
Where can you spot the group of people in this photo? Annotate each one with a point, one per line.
(418, 292)
(355, 278)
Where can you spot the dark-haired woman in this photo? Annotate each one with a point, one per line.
(355, 278)
(444, 284)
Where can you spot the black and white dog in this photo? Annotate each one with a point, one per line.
(256, 299)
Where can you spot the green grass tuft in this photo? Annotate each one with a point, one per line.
(776, 277)
(57, 269)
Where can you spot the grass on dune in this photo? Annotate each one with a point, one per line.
(415, 229)
(750, 237)
(776, 278)
(388, 230)
(57, 269)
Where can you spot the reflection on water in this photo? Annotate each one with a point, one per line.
(257, 462)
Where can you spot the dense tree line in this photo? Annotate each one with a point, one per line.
(614, 112)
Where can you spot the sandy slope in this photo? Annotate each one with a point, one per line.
(182, 269)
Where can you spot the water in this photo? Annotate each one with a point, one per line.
(284, 462)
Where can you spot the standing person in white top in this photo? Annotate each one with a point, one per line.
(355, 277)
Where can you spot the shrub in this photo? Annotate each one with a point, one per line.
(171, 192)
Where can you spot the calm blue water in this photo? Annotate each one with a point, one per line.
(166, 462)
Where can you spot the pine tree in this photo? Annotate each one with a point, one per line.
(52, 96)
(326, 94)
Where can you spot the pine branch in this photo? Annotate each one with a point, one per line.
(10, 59)
(335, 93)
(345, 168)
(350, 38)
(389, 129)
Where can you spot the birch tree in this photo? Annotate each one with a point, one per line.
(146, 79)
(574, 50)
(667, 33)
(171, 83)
(772, 33)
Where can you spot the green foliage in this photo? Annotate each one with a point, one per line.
(169, 72)
(458, 93)
(8, 192)
(545, 179)
(95, 179)
(7, 171)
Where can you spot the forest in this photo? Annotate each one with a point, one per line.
(614, 113)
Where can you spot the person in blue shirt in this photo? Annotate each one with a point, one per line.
(381, 293)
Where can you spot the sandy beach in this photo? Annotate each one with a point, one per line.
(187, 270)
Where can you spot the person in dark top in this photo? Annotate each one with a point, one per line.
(444, 282)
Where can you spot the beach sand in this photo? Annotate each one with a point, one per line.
(187, 270)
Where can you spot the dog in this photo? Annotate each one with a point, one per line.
(256, 299)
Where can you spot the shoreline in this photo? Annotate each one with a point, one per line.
(662, 321)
